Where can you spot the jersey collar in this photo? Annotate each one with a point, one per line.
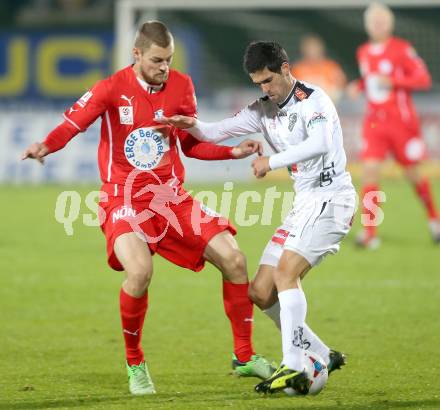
(149, 88)
(289, 97)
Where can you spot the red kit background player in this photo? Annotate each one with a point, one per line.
(139, 162)
(390, 71)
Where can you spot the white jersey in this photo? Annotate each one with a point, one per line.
(304, 131)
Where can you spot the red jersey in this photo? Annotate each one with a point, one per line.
(398, 60)
(130, 136)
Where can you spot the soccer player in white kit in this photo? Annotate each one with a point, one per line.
(300, 123)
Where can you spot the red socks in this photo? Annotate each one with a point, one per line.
(239, 309)
(423, 189)
(370, 230)
(132, 317)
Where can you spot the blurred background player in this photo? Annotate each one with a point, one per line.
(139, 161)
(316, 68)
(390, 71)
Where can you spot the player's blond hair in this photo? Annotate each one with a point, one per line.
(152, 32)
(377, 7)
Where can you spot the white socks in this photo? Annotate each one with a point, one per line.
(313, 343)
(293, 309)
(310, 339)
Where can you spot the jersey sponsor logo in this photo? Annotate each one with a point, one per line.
(124, 212)
(72, 110)
(128, 99)
(292, 120)
(145, 147)
(84, 99)
(126, 115)
(317, 118)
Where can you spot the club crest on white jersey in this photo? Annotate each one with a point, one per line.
(145, 147)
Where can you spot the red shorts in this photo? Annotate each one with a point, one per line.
(178, 232)
(403, 141)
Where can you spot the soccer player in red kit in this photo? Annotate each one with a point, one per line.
(146, 208)
(390, 71)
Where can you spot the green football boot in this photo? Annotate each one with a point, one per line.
(337, 360)
(258, 366)
(283, 378)
(139, 380)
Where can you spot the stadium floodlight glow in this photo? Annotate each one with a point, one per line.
(126, 12)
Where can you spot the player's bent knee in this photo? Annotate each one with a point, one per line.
(139, 274)
(234, 266)
(260, 296)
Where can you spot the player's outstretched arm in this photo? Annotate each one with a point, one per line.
(56, 140)
(76, 119)
(246, 122)
(209, 152)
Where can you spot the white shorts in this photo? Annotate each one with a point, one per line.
(314, 227)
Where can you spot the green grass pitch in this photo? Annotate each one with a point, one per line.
(61, 345)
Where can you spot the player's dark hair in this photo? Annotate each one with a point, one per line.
(260, 54)
(153, 32)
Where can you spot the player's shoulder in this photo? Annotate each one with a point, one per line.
(120, 77)
(303, 90)
(311, 96)
(403, 47)
(398, 42)
(362, 49)
(256, 108)
(178, 78)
